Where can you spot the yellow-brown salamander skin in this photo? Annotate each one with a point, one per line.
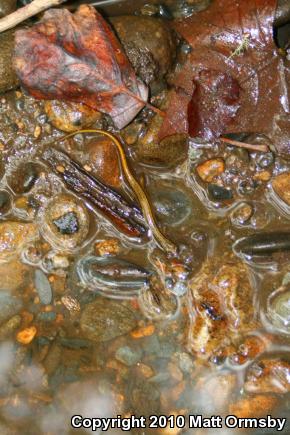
(162, 241)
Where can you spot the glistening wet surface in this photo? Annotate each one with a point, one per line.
(95, 318)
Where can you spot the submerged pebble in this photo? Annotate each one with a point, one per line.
(263, 243)
(43, 287)
(210, 169)
(9, 305)
(167, 153)
(278, 309)
(268, 376)
(172, 205)
(128, 355)
(5, 202)
(71, 117)
(65, 222)
(104, 319)
(242, 213)
(9, 327)
(281, 186)
(158, 303)
(219, 193)
(13, 237)
(121, 278)
(24, 177)
(103, 159)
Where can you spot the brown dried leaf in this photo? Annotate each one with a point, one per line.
(77, 57)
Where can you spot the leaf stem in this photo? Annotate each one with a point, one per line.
(260, 148)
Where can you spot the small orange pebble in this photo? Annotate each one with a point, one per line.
(253, 406)
(26, 335)
(36, 300)
(210, 169)
(60, 169)
(51, 278)
(87, 168)
(145, 331)
(107, 247)
(21, 202)
(262, 176)
(48, 308)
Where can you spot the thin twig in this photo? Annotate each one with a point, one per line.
(261, 148)
(26, 12)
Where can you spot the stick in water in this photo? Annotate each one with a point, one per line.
(260, 148)
(26, 12)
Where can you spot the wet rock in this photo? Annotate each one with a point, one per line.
(13, 275)
(43, 287)
(103, 160)
(168, 152)
(278, 309)
(210, 169)
(221, 306)
(128, 355)
(242, 213)
(6, 7)
(5, 202)
(65, 222)
(71, 117)
(75, 343)
(265, 243)
(265, 160)
(219, 193)
(281, 186)
(112, 276)
(185, 361)
(24, 177)
(104, 319)
(254, 406)
(158, 303)
(13, 237)
(144, 397)
(8, 328)
(108, 247)
(148, 43)
(9, 305)
(8, 78)
(247, 187)
(173, 206)
(268, 376)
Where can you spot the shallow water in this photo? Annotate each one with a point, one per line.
(139, 335)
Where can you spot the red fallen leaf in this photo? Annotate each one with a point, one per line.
(262, 74)
(209, 116)
(77, 57)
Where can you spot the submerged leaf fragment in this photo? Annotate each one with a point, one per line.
(77, 57)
